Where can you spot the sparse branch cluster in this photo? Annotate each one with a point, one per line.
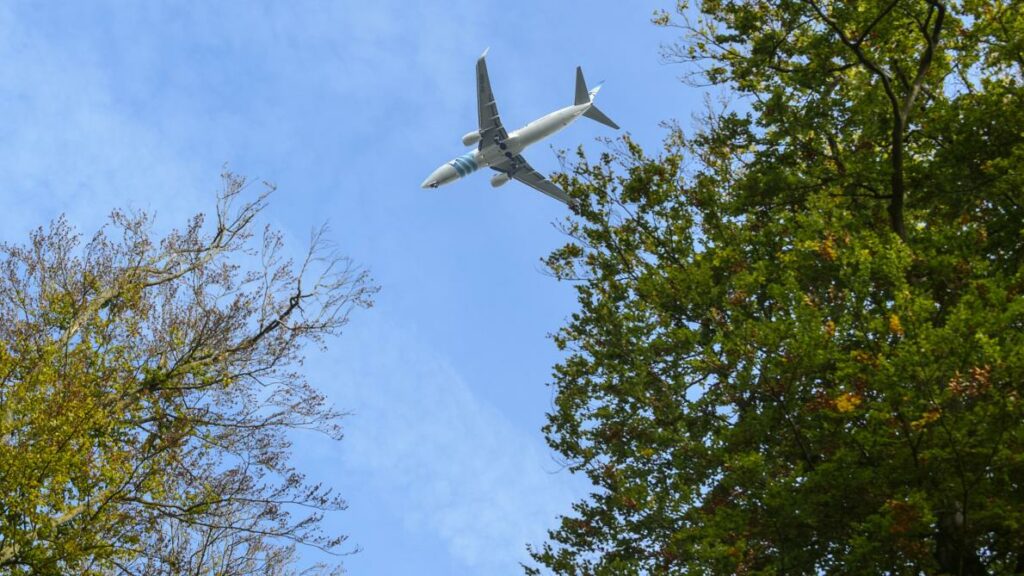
(148, 391)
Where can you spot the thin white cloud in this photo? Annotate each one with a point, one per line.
(66, 147)
(448, 462)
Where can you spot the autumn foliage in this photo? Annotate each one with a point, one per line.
(800, 343)
(147, 388)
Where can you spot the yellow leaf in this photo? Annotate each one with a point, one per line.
(827, 248)
(894, 325)
(930, 415)
(847, 402)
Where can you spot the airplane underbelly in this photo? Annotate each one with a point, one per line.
(491, 156)
(534, 134)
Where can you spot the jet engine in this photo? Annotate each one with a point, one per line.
(500, 179)
(471, 138)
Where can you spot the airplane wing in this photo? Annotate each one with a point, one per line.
(520, 169)
(491, 130)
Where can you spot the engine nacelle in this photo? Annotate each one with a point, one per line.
(471, 138)
(500, 179)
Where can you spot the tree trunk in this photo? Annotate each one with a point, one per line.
(951, 551)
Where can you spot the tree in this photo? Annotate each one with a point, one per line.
(147, 388)
(800, 344)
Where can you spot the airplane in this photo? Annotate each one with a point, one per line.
(501, 151)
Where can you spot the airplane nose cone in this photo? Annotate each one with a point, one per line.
(442, 175)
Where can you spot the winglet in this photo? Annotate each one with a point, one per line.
(484, 55)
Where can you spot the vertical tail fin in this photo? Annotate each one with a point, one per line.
(582, 94)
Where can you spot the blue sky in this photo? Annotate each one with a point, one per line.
(347, 106)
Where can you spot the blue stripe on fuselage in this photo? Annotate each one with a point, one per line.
(464, 164)
(458, 168)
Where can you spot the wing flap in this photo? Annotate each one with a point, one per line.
(519, 169)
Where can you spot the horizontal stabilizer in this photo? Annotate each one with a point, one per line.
(594, 114)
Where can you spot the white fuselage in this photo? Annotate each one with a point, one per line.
(492, 153)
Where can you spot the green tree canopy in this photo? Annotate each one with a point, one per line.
(147, 386)
(800, 347)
